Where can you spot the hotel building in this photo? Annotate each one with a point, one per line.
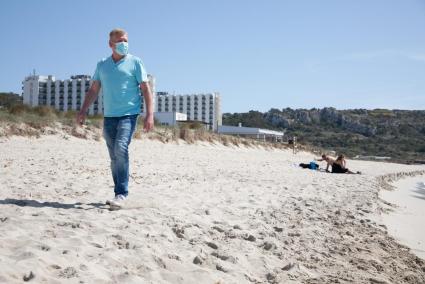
(198, 107)
(63, 95)
(66, 95)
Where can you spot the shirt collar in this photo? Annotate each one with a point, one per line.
(119, 61)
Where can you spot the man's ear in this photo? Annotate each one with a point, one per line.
(110, 43)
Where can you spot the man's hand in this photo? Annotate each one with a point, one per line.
(80, 118)
(147, 95)
(90, 97)
(148, 123)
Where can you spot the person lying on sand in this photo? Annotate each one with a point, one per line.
(311, 166)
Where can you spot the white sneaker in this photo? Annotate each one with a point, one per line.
(108, 202)
(118, 201)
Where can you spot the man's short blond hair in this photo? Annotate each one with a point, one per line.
(117, 32)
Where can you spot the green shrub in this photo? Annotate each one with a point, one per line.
(19, 109)
(8, 100)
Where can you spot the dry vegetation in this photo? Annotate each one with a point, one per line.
(22, 120)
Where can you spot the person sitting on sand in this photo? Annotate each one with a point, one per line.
(329, 160)
(339, 166)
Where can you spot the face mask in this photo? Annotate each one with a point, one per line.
(121, 48)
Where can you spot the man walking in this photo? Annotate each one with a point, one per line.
(122, 77)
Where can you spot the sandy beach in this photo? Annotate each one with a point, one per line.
(201, 213)
(405, 221)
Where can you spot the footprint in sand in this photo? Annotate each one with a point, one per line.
(97, 245)
(224, 257)
(211, 245)
(55, 267)
(121, 243)
(68, 272)
(44, 247)
(28, 276)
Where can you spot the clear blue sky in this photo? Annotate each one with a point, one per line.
(257, 54)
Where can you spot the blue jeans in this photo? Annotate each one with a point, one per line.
(117, 132)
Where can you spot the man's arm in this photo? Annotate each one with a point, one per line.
(90, 97)
(147, 94)
(329, 162)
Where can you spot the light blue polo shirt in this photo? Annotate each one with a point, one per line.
(120, 82)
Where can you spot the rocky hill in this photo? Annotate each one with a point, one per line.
(399, 134)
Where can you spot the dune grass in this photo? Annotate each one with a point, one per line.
(43, 116)
(23, 120)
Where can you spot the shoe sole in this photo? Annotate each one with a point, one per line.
(114, 208)
(113, 204)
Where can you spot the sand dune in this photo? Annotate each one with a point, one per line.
(197, 214)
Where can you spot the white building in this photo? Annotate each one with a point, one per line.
(170, 118)
(152, 87)
(66, 95)
(62, 95)
(197, 107)
(251, 132)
